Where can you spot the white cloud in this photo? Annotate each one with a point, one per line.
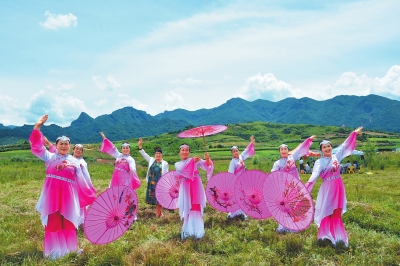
(61, 107)
(173, 101)
(54, 22)
(265, 87)
(269, 88)
(109, 84)
(124, 100)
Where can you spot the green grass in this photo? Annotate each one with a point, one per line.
(372, 223)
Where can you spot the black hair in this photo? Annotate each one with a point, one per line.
(157, 149)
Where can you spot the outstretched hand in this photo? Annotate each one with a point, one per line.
(252, 139)
(41, 121)
(358, 130)
(102, 135)
(313, 137)
(140, 142)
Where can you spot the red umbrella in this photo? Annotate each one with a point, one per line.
(249, 194)
(167, 190)
(220, 192)
(288, 200)
(111, 214)
(202, 131)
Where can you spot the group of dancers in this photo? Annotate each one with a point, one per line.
(67, 190)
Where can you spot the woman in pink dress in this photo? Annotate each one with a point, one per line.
(65, 191)
(287, 163)
(125, 166)
(237, 166)
(77, 154)
(331, 200)
(192, 198)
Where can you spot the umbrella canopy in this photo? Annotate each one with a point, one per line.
(202, 131)
(111, 214)
(249, 194)
(288, 200)
(167, 190)
(220, 192)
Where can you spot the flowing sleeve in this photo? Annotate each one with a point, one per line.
(108, 147)
(231, 167)
(132, 172)
(275, 167)
(186, 170)
(86, 192)
(86, 174)
(314, 176)
(302, 149)
(165, 167)
(38, 149)
(145, 155)
(347, 147)
(208, 168)
(52, 148)
(249, 151)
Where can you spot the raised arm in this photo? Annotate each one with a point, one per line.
(348, 145)
(303, 148)
(36, 140)
(142, 152)
(108, 147)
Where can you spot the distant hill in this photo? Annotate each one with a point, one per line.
(372, 112)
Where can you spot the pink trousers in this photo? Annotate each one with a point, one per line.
(332, 228)
(59, 237)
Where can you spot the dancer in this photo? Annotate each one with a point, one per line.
(77, 154)
(192, 198)
(125, 166)
(331, 200)
(157, 167)
(64, 192)
(237, 166)
(287, 163)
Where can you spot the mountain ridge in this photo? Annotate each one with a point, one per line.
(373, 112)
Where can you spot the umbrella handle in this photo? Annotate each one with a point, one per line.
(204, 144)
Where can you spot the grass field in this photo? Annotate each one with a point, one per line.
(372, 223)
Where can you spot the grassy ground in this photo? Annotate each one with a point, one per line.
(372, 223)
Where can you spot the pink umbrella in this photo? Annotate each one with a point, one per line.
(249, 194)
(111, 214)
(167, 190)
(220, 192)
(288, 200)
(202, 131)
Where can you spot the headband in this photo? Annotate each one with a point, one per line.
(78, 146)
(63, 138)
(184, 146)
(325, 142)
(125, 144)
(283, 145)
(234, 148)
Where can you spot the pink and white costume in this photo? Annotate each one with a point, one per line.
(65, 191)
(237, 166)
(331, 200)
(125, 167)
(192, 198)
(88, 180)
(288, 164)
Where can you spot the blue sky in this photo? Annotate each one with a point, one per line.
(67, 57)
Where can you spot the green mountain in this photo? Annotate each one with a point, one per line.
(372, 112)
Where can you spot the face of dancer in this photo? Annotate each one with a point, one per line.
(284, 152)
(326, 150)
(126, 150)
(235, 153)
(184, 153)
(158, 156)
(62, 147)
(78, 152)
